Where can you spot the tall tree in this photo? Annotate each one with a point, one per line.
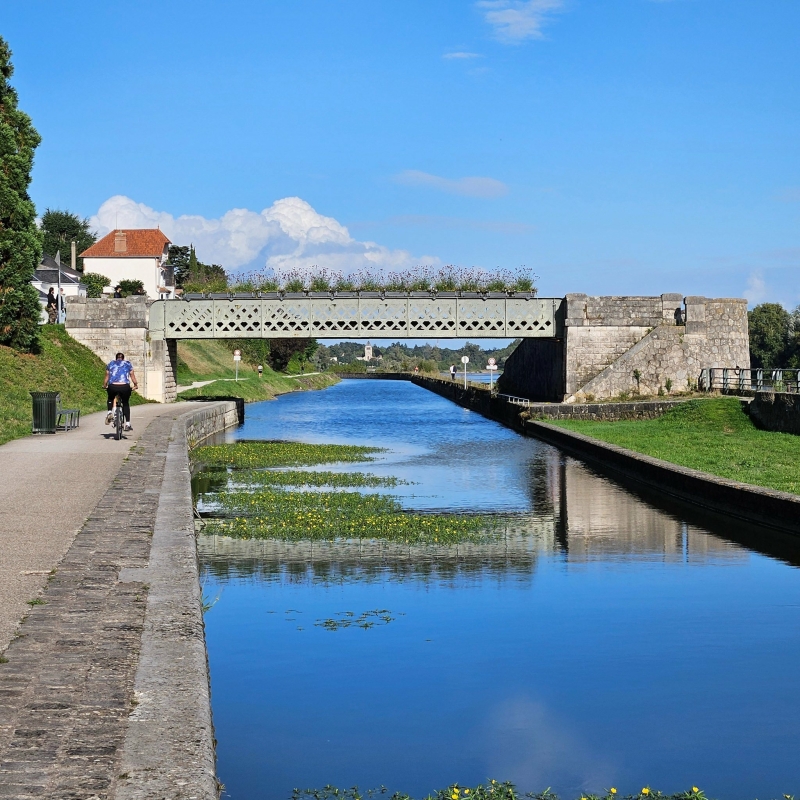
(60, 228)
(193, 275)
(770, 329)
(20, 239)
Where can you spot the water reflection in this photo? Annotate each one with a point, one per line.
(607, 638)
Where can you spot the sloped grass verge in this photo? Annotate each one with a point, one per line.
(713, 435)
(62, 365)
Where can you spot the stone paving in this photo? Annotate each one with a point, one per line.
(66, 684)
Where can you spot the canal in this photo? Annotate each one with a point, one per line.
(599, 640)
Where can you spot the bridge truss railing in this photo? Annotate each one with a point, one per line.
(364, 314)
(735, 380)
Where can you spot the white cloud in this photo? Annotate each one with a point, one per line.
(289, 234)
(468, 187)
(757, 290)
(461, 54)
(514, 21)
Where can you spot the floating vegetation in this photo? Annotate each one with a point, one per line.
(255, 455)
(296, 477)
(494, 790)
(348, 619)
(296, 515)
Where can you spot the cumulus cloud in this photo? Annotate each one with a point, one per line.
(756, 291)
(468, 187)
(289, 234)
(515, 21)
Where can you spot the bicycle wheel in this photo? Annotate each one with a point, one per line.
(118, 422)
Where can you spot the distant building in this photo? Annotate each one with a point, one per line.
(368, 354)
(46, 276)
(133, 254)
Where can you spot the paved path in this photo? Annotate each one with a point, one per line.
(49, 485)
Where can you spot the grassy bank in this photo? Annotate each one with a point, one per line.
(213, 361)
(712, 435)
(63, 365)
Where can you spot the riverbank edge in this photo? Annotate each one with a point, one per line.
(744, 501)
(169, 748)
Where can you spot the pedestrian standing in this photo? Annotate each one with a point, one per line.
(452, 372)
(51, 308)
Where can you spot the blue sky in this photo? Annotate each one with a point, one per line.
(614, 146)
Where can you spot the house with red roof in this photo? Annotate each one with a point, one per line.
(133, 254)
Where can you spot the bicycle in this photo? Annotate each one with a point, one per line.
(118, 420)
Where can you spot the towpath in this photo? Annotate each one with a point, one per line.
(49, 485)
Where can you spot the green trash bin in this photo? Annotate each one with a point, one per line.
(45, 405)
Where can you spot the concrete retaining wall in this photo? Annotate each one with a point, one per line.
(776, 411)
(169, 745)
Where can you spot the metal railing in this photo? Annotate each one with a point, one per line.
(734, 380)
(517, 401)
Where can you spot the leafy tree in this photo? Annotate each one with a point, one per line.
(59, 228)
(282, 350)
(20, 239)
(770, 329)
(193, 275)
(94, 283)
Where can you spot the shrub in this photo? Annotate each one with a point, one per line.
(94, 283)
(129, 287)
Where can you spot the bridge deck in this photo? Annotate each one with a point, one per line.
(368, 314)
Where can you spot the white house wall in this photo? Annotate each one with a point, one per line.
(145, 270)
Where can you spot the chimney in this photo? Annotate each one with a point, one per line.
(120, 242)
(73, 248)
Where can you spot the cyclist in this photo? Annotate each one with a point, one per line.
(119, 377)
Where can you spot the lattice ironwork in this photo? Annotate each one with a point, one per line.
(321, 317)
(484, 317)
(533, 317)
(334, 316)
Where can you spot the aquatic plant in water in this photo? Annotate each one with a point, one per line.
(256, 455)
(296, 477)
(494, 790)
(297, 515)
(348, 619)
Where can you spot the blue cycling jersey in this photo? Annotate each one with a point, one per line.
(119, 371)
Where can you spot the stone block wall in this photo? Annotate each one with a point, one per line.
(608, 339)
(107, 326)
(776, 411)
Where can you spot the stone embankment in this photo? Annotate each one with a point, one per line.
(753, 504)
(776, 411)
(508, 412)
(104, 690)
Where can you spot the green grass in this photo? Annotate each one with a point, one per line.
(713, 435)
(261, 455)
(209, 360)
(63, 365)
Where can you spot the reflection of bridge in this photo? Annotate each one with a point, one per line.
(377, 314)
(576, 514)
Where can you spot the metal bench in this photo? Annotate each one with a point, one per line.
(67, 418)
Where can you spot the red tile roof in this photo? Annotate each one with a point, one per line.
(128, 243)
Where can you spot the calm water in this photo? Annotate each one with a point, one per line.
(609, 643)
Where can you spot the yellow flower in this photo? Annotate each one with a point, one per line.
(612, 790)
(695, 789)
(454, 795)
(645, 791)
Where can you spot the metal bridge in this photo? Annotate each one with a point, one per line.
(362, 314)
